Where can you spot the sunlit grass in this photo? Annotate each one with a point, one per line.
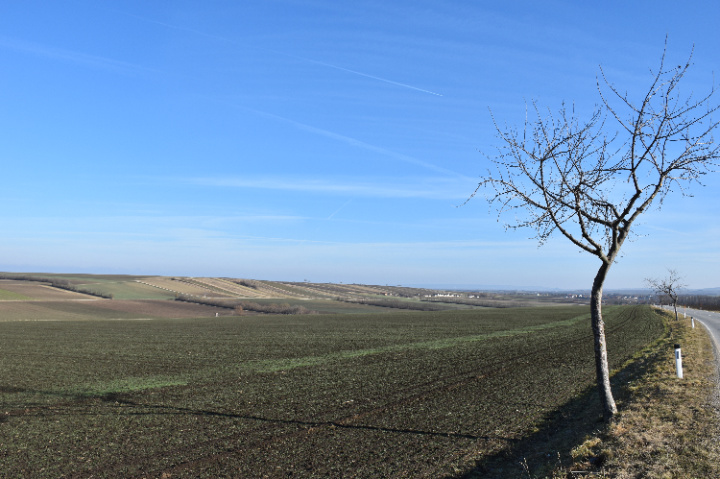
(6, 295)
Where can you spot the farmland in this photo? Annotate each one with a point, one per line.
(324, 297)
(406, 394)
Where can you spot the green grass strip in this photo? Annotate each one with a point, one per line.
(124, 385)
(275, 365)
(6, 295)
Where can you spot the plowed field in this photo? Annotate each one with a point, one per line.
(177, 286)
(383, 395)
(103, 309)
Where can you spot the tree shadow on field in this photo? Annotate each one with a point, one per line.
(150, 409)
(563, 429)
(78, 404)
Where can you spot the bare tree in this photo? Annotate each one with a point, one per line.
(563, 174)
(669, 286)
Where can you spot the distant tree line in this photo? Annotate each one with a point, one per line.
(698, 301)
(248, 283)
(240, 306)
(57, 283)
(272, 308)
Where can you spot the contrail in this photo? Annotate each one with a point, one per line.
(72, 56)
(357, 143)
(338, 210)
(405, 85)
(276, 52)
(176, 27)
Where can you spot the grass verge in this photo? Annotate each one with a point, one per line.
(667, 427)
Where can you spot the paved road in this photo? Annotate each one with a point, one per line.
(709, 319)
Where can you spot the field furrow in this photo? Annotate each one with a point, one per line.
(383, 395)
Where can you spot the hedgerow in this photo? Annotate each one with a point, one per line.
(57, 283)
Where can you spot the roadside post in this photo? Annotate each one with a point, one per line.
(692, 320)
(678, 361)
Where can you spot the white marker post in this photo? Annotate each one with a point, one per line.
(692, 320)
(678, 361)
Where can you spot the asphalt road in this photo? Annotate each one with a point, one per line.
(709, 319)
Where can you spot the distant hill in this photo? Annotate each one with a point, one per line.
(263, 296)
(703, 292)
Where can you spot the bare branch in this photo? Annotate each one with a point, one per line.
(579, 178)
(571, 176)
(669, 286)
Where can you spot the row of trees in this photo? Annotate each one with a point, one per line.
(58, 283)
(708, 303)
(271, 308)
(240, 306)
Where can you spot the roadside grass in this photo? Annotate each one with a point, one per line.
(667, 427)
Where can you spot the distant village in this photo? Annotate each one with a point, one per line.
(608, 297)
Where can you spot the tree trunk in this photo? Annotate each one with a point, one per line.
(602, 369)
(675, 308)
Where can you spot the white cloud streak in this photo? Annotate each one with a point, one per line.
(437, 189)
(276, 52)
(339, 209)
(336, 67)
(360, 144)
(71, 56)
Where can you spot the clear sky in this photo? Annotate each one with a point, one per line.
(317, 139)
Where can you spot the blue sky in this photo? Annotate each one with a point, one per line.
(318, 140)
